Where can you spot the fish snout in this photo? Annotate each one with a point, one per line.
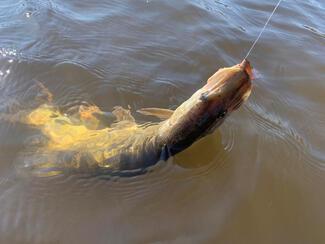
(229, 87)
(245, 65)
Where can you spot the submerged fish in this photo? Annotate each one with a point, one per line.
(76, 143)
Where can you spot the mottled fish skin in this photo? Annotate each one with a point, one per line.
(126, 148)
(201, 114)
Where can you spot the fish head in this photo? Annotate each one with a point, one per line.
(227, 89)
(207, 108)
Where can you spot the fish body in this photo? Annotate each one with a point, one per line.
(75, 144)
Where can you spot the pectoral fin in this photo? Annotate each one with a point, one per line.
(160, 113)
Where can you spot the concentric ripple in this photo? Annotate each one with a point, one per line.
(262, 170)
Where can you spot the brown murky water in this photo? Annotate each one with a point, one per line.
(259, 179)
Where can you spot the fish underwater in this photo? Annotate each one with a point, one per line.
(78, 143)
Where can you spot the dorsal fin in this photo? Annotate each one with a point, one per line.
(160, 113)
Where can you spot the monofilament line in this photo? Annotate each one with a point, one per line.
(268, 20)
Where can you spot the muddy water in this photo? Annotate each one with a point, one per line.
(259, 179)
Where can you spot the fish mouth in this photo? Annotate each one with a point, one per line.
(245, 65)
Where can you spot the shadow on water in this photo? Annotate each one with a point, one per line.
(194, 157)
(258, 179)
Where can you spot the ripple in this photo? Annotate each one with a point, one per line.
(281, 132)
(228, 138)
(80, 12)
(314, 31)
(128, 52)
(128, 189)
(71, 84)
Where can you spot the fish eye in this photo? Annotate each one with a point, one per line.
(222, 114)
(204, 96)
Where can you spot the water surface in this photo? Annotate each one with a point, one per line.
(259, 179)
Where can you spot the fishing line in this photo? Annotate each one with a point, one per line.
(268, 20)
